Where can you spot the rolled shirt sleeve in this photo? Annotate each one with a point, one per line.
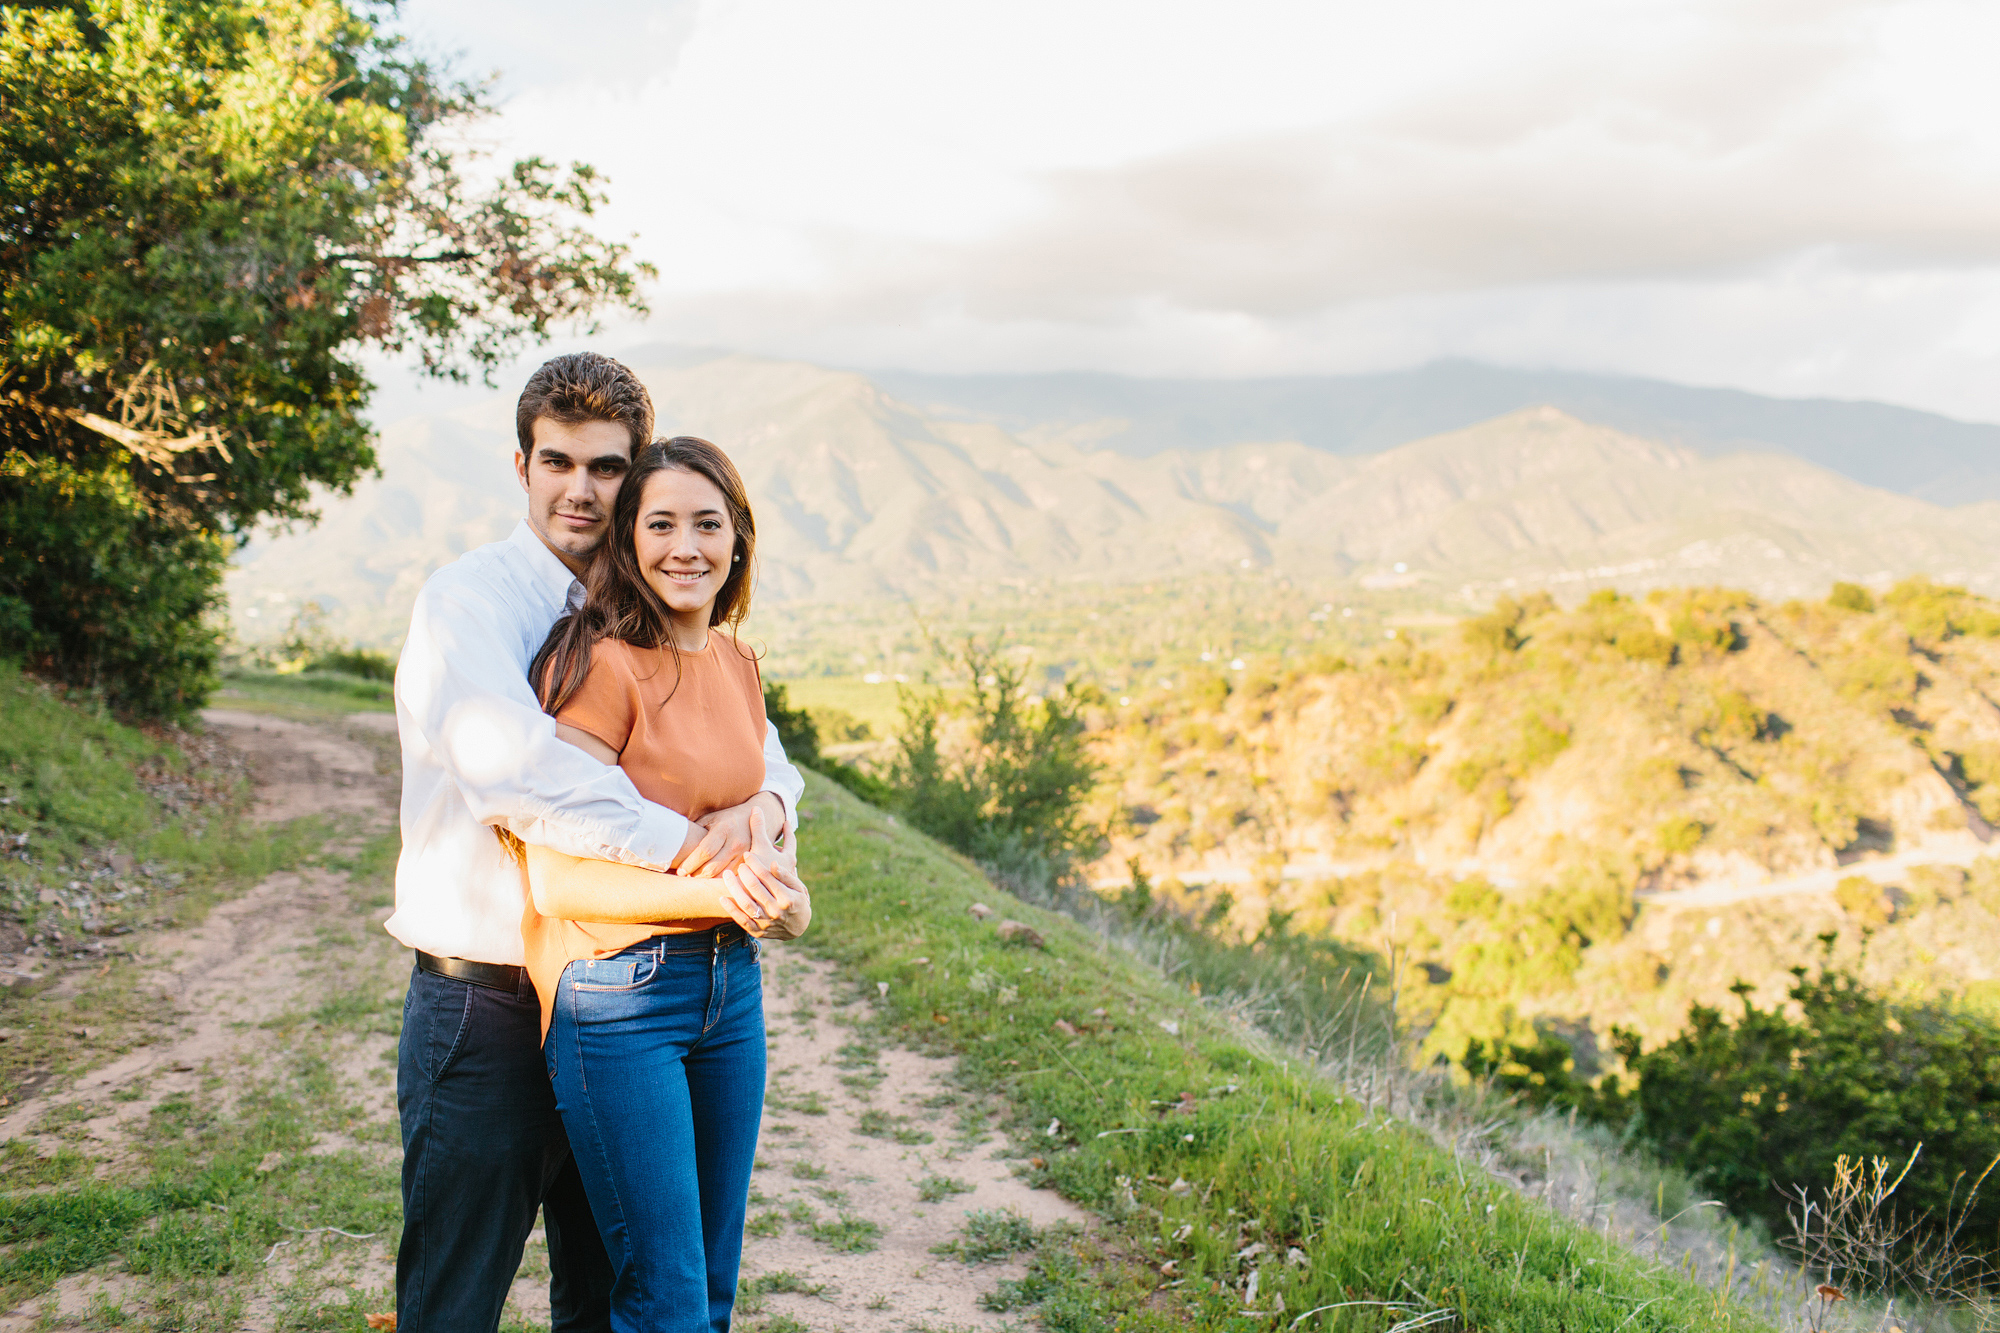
(782, 778)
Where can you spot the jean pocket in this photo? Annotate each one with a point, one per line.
(611, 974)
(442, 1028)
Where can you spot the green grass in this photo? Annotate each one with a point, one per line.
(988, 1236)
(305, 694)
(847, 1234)
(936, 1188)
(1255, 1154)
(786, 1282)
(807, 1103)
(879, 1124)
(874, 704)
(191, 1216)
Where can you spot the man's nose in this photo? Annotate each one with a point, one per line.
(579, 489)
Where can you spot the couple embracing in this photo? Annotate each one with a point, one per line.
(597, 824)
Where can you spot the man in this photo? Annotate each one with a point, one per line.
(483, 1145)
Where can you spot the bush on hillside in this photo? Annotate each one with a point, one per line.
(1767, 1105)
(98, 591)
(799, 734)
(796, 731)
(997, 773)
(1768, 1102)
(357, 661)
(1934, 611)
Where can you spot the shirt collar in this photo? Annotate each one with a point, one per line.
(551, 575)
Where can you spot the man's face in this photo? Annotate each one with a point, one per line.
(572, 475)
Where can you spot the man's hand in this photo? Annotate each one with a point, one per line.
(716, 842)
(764, 893)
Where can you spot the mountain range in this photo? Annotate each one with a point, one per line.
(900, 485)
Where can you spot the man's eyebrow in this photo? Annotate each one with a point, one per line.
(553, 454)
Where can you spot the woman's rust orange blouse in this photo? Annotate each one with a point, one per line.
(690, 734)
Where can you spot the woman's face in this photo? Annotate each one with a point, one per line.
(684, 540)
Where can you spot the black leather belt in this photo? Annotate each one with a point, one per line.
(493, 976)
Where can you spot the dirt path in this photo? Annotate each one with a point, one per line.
(870, 1157)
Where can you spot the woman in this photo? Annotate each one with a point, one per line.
(652, 1004)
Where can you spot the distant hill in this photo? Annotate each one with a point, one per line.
(863, 495)
(1898, 449)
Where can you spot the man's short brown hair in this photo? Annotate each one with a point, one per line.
(580, 387)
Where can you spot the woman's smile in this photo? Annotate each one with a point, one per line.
(686, 545)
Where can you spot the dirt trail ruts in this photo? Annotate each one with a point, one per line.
(854, 1135)
(219, 981)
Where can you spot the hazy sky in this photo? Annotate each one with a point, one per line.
(1797, 198)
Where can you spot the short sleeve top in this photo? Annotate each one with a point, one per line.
(688, 727)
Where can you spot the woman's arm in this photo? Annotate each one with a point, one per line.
(574, 889)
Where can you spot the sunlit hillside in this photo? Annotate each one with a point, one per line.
(1596, 814)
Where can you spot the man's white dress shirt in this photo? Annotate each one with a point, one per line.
(478, 750)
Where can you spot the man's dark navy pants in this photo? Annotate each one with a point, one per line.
(483, 1148)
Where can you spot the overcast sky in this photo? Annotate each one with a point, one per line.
(1792, 197)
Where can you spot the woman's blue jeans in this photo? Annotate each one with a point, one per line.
(657, 1056)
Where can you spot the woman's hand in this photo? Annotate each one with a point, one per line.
(719, 839)
(763, 892)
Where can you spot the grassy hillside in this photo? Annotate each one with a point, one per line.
(1235, 1185)
(1496, 801)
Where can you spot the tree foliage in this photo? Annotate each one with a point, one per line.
(995, 772)
(208, 209)
(1770, 1101)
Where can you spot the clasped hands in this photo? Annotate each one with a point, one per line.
(761, 889)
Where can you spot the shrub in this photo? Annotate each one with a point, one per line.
(799, 732)
(1863, 899)
(1769, 1102)
(1850, 597)
(1496, 632)
(840, 726)
(1544, 1074)
(1933, 611)
(1680, 834)
(98, 589)
(1012, 795)
(362, 662)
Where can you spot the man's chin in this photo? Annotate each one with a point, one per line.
(577, 545)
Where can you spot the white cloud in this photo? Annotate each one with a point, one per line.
(1798, 196)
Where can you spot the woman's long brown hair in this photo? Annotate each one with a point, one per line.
(619, 603)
